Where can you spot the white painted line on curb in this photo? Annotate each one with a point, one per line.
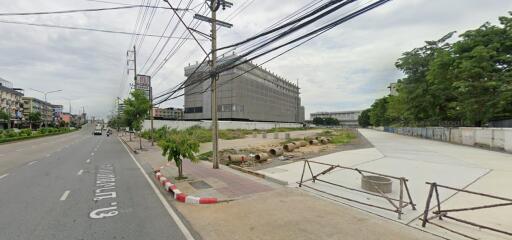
(164, 202)
(80, 172)
(30, 163)
(5, 175)
(88, 160)
(64, 195)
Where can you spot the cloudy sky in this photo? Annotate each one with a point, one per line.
(344, 69)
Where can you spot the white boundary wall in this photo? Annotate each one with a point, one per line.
(222, 124)
(490, 138)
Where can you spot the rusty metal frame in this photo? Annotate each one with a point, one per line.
(397, 204)
(443, 213)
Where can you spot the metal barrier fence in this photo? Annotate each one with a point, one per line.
(443, 213)
(396, 204)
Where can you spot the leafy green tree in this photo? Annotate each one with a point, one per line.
(318, 121)
(364, 118)
(136, 109)
(331, 121)
(34, 117)
(482, 72)
(4, 115)
(177, 147)
(378, 112)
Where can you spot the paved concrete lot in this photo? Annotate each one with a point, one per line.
(83, 187)
(419, 160)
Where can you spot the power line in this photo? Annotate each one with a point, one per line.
(88, 29)
(236, 62)
(84, 10)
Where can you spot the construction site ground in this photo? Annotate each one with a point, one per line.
(420, 161)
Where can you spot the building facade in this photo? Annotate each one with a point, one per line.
(31, 105)
(11, 103)
(247, 92)
(168, 113)
(346, 118)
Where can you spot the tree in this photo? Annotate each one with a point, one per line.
(34, 117)
(318, 121)
(364, 118)
(177, 147)
(136, 109)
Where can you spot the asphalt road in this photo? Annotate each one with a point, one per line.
(79, 186)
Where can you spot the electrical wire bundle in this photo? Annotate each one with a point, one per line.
(276, 38)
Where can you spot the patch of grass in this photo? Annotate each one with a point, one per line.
(342, 137)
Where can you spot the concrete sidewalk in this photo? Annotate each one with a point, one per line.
(202, 180)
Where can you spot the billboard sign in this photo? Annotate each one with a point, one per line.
(142, 82)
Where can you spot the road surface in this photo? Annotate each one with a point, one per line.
(79, 186)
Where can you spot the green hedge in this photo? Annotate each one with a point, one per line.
(7, 135)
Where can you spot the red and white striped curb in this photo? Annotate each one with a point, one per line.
(178, 195)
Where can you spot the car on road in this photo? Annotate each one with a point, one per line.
(98, 131)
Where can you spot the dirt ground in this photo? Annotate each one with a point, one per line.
(310, 151)
(289, 213)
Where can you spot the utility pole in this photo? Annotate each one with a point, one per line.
(214, 6)
(134, 51)
(151, 113)
(118, 115)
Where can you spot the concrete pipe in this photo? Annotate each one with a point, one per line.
(301, 143)
(260, 157)
(237, 158)
(289, 147)
(276, 151)
(323, 140)
(313, 142)
(372, 183)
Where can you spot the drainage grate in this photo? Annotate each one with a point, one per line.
(200, 184)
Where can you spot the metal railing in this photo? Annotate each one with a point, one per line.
(397, 205)
(443, 213)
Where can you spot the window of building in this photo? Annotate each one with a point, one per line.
(194, 110)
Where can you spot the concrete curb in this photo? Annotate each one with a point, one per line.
(260, 175)
(128, 145)
(178, 195)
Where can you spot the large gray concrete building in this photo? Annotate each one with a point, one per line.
(346, 118)
(258, 95)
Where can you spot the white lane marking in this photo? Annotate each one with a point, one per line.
(164, 202)
(47, 155)
(92, 154)
(5, 175)
(64, 195)
(30, 163)
(19, 150)
(88, 160)
(80, 172)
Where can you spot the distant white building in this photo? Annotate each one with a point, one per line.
(392, 89)
(346, 118)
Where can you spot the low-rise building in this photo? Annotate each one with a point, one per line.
(346, 118)
(11, 103)
(31, 104)
(168, 113)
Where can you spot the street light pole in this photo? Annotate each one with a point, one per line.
(46, 103)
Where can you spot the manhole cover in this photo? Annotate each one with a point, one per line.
(200, 185)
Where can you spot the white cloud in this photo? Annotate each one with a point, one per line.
(346, 68)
